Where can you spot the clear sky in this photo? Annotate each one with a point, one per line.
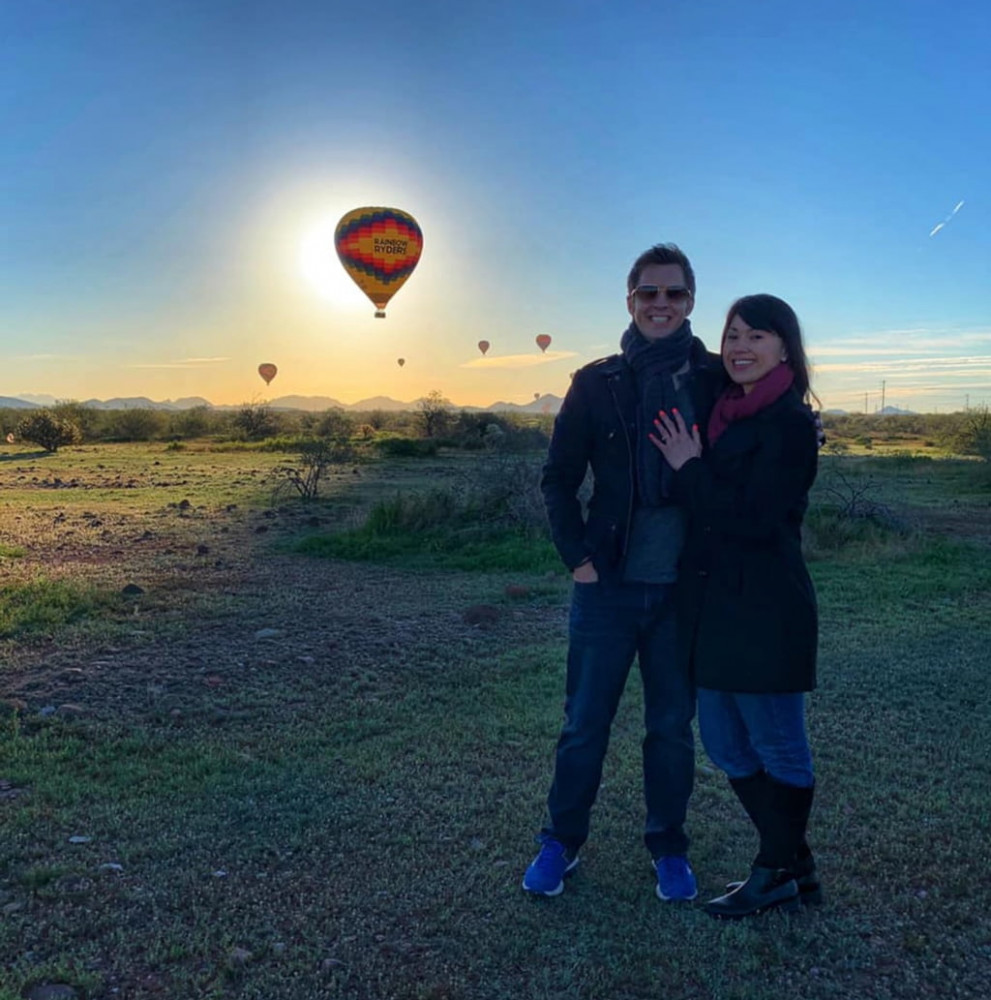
(172, 172)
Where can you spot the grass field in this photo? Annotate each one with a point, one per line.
(270, 774)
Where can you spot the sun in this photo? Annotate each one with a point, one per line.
(320, 268)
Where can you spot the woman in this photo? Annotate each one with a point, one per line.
(749, 625)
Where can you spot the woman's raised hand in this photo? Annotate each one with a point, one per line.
(674, 440)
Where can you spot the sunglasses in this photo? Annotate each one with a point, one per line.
(674, 293)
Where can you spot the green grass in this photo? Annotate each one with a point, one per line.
(45, 605)
(437, 549)
(358, 829)
(438, 529)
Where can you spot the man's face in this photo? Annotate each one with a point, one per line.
(660, 315)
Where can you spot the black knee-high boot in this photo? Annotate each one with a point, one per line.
(753, 792)
(780, 813)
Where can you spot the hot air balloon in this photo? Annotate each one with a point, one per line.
(536, 395)
(543, 341)
(268, 372)
(379, 248)
(483, 346)
(400, 361)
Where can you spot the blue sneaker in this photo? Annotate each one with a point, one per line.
(675, 878)
(548, 869)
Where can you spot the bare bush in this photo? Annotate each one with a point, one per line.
(505, 489)
(316, 458)
(853, 497)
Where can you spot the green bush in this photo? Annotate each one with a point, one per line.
(47, 429)
(401, 447)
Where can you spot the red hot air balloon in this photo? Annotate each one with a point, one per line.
(543, 341)
(483, 346)
(379, 248)
(268, 372)
(400, 361)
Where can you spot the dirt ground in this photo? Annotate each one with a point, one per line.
(222, 606)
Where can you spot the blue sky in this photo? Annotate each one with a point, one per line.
(172, 173)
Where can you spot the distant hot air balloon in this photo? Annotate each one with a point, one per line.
(536, 395)
(400, 361)
(268, 372)
(379, 248)
(483, 346)
(543, 341)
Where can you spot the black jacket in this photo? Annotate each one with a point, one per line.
(748, 620)
(597, 428)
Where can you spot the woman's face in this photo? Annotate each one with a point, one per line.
(749, 354)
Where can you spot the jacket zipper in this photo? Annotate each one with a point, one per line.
(631, 466)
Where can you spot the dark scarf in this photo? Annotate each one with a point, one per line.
(733, 404)
(654, 362)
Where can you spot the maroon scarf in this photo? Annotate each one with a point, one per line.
(734, 405)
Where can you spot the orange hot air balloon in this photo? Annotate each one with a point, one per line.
(379, 248)
(483, 346)
(400, 361)
(543, 341)
(268, 372)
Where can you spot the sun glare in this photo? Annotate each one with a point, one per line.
(319, 266)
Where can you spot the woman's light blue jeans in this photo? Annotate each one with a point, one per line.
(746, 733)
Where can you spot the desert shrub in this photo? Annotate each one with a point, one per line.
(315, 459)
(253, 423)
(974, 434)
(192, 423)
(135, 424)
(90, 421)
(334, 423)
(401, 447)
(49, 431)
(434, 414)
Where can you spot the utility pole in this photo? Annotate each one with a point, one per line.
(882, 395)
(865, 402)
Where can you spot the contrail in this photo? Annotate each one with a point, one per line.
(939, 225)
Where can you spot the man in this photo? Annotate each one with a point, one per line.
(623, 559)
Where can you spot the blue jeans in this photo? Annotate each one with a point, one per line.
(746, 733)
(610, 625)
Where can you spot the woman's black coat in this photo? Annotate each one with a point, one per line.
(748, 609)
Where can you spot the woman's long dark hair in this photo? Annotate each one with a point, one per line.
(768, 312)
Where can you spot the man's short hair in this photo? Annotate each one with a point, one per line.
(661, 253)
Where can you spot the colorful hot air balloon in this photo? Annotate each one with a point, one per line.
(543, 341)
(379, 248)
(400, 361)
(268, 372)
(483, 346)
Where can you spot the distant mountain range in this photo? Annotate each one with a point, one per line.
(548, 403)
(311, 404)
